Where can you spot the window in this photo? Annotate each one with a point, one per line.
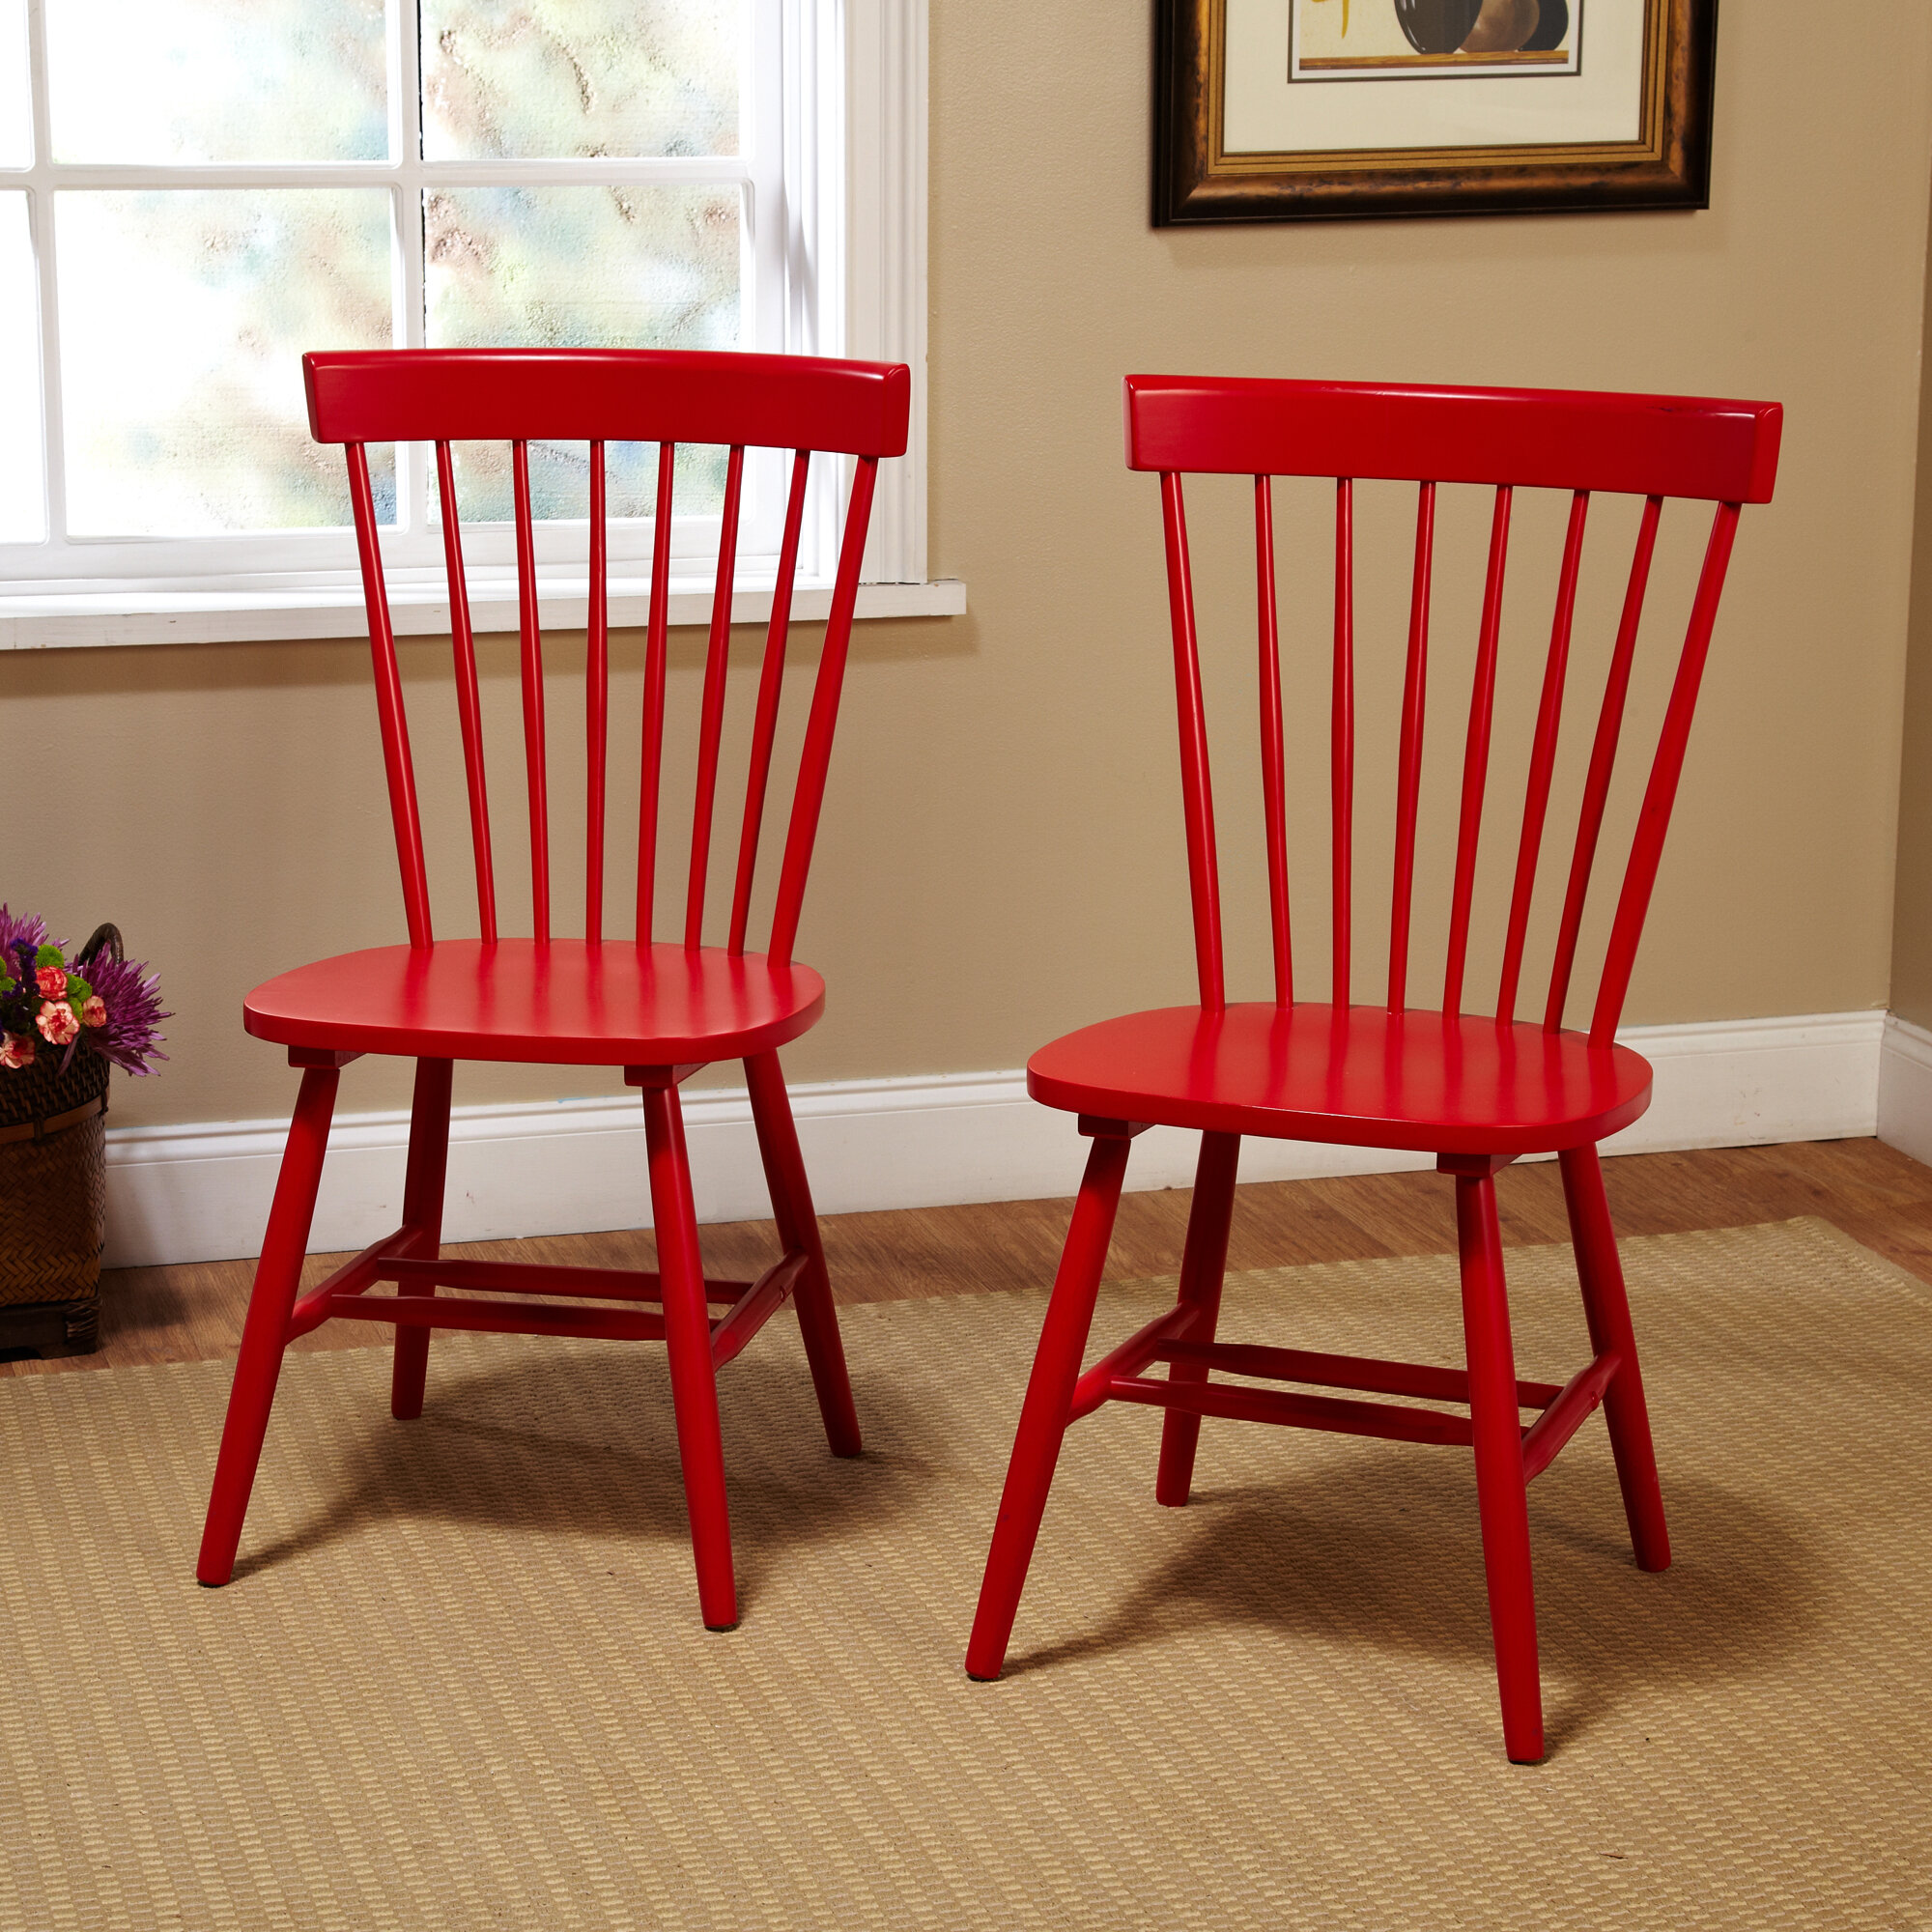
(194, 192)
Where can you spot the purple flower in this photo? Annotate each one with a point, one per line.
(14, 933)
(130, 1035)
(20, 941)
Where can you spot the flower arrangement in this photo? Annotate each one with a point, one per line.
(105, 1005)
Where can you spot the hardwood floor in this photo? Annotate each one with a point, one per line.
(1875, 1194)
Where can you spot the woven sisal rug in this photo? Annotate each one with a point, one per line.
(460, 1679)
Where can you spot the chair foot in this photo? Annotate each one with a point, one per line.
(264, 1331)
(1203, 1264)
(408, 1378)
(1607, 1311)
(825, 1356)
(1501, 1493)
(1043, 1415)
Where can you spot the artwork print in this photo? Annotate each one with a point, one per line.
(1432, 39)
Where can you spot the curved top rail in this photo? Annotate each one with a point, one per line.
(616, 395)
(1559, 439)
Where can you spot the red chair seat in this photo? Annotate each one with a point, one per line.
(1360, 1075)
(563, 1003)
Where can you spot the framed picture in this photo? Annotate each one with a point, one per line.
(1303, 110)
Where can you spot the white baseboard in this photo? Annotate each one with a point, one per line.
(1905, 1087)
(201, 1192)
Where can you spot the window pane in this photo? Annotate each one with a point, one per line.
(218, 81)
(636, 267)
(16, 125)
(558, 78)
(625, 268)
(23, 514)
(184, 316)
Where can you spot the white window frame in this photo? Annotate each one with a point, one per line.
(855, 249)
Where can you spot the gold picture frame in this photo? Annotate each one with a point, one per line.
(1614, 95)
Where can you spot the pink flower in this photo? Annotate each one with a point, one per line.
(95, 1013)
(52, 982)
(17, 1049)
(57, 1023)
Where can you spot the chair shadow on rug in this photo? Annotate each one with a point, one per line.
(1367, 1556)
(583, 1444)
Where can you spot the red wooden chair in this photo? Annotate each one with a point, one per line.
(1476, 1092)
(658, 1010)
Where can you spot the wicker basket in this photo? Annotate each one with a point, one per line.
(53, 1194)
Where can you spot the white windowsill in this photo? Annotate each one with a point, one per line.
(76, 620)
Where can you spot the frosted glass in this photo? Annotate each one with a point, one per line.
(23, 514)
(17, 125)
(631, 267)
(218, 81)
(558, 78)
(183, 315)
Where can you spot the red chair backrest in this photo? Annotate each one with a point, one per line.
(1649, 446)
(599, 396)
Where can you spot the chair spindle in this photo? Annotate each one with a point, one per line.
(596, 703)
(711, 719)
(1196, 781)
(765, 719)
(1408, 776)
(394, 719)
(656, 648)
(469, 701)
(1661, 794)
(1602, 762)
(815, 755)
(530, 638)
(1542, 758)
(1342, 737)
(1273, 778)
(1476, 757)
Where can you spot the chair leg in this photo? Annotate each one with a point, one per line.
(264, 1331)
(422, 1214)
(797, 1229)
(1607, 1311)
(693, 1380)
(1203, 1265)
(1049, 1396)
(1501, 1493)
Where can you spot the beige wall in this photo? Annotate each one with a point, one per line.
(1000, 857)
(1911, 914)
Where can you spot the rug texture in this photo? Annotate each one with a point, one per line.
(459, 1679)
